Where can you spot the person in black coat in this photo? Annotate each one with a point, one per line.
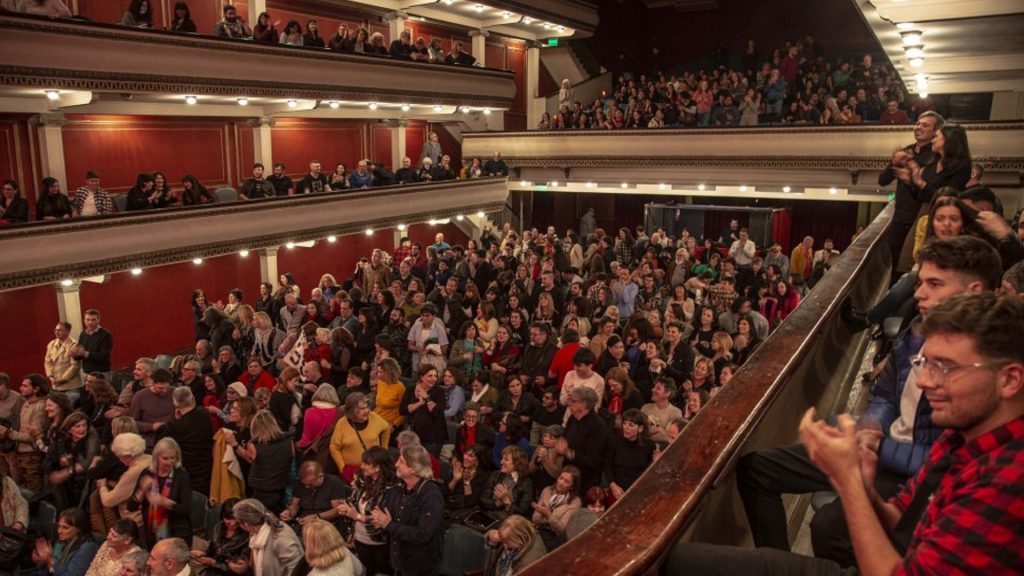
(630, 453)
(509, 490)
(412, 515)
(193, 431)
(13, 207)
(678, 354)
(143, 195)
(423, 408)
(52, 204)
(585, 444)
(219, 325)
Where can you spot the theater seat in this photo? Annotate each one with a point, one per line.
(463, 551)
(121, 203)
(226, 194)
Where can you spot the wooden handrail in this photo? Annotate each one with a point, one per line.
(635, 534)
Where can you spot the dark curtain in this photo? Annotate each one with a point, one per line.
(821, 219)
(715, 221)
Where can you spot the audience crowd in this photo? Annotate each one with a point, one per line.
(791, 84)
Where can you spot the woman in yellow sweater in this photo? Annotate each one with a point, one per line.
(358, 430)
(390, 390)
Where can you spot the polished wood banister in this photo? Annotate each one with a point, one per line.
(635, 534)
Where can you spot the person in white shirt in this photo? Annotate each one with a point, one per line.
(823, 254)
(743, 249)
(661, 412)
(582, 377)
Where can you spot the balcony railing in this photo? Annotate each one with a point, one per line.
(46, 252)
(73, 55)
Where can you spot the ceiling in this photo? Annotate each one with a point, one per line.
(969, 46)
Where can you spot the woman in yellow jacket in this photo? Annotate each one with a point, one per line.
(390, 391)
(355, 433)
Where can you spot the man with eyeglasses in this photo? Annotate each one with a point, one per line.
(896, 426)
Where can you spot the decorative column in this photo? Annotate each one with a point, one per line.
(256, 7)
(51, 146)
(261, 141)
(534, 103)
(480, 45)
(268, 265)
(397, 143)
(396, 23)
(69, 307)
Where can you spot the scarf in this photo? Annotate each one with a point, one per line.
(158, 517)
(478, 395)
(258, 543)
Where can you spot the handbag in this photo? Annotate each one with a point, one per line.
(12, 547)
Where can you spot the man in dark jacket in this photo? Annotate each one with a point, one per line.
(193, 431)
(412, 515)
(537, 359)
(586, 439)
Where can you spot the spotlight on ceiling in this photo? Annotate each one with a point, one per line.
(243, 101)
(190, 99)
(334, 104)
(293, 103)
(52, 95)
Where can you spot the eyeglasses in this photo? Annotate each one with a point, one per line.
(937, 370)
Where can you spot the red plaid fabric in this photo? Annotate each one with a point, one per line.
(974, 523)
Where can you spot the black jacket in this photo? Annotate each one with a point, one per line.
(416, 530)
(194, 434)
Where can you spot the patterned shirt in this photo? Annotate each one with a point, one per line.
(974, 523)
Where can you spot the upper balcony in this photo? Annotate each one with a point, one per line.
(35, 55)
(796, 162)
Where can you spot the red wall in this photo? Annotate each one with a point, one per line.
(19, 155)
(29, 316)
(296, 142)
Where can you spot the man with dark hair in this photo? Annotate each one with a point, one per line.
(406, 175)
(960, 514)
(257, 186)
(153, 407)
(537, 359)
(583, 376)
(283, 185)
(315, 181)
(907, 205)
(496, 166)
(62, 369)
(402, 48)
(896, 426)
(585, 444)
(233, 25)
(95, 344)
(661, 411)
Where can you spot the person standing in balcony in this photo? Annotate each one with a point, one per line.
(233, 25)
(138, 15)
(312, 36)
(182, 21)
(265, 30)
(432, 149)
(292, 34)
(342, 39)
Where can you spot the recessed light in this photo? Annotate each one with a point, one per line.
(560, 28)
(547, 26)
(332, 238)
(479, 7)
(915, 52)
(833, 191)
(700, 187)
(293, 103)
(372, 105)
(527, 20)
(786, 189)
(743, 188)
(661, 186)
(369, 231)
(197, 261)
(438, 108)
(290, 245)
(53, 95)
(334, 104)
(911, 37)
(524, 183)
(554, 183)
(624, 185)
(136, 271)
(487, 111)
(432, 222)
(480, 214)
(190, 99)
(922, 94)
(459, 217)
(591, 184)
(244, 253)
(243, 101)
(401, 227)
(917, 62)
(66, 282)
(465, 109)
(905, 26)
(506, 14)
(406, 107)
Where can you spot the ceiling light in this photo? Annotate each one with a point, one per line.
(554, 183)
(922, 94)
(547, 26)
(465, 109)
(332, 238)
(833, 191)
(459, 217)
(334, 104)
(401, 227)
(372, 105)
(917, 62)
(479, 7)
(905, 26)
(53, 95)
(786, 189)
(700, 187)
(487, 111)
(480, 214)
(527, 20)
(743, 188)
(244, 253)
(624, 185)
(921, 77)
(190, 99)
(290, 245)
(406, 107)
(66, 282)
(560, 28)
(506, 14)
(591, 184)
(136, 271)
(432, 222)
(243, 101)
(449, 2)
(369, 231)
(293, 103)
(438, 108)
(197, 261)
(661, 186)
(524, 183)
(915, 52)
(911, 37)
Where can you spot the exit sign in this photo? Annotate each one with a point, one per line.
(552, 41)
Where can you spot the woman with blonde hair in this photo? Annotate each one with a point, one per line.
(390, 390)
(270, 452)
(721, 345)
(165, 493)
(512, 546)
(266, 341)
(326, 551)
(230, 470)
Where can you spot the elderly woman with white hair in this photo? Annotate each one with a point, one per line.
(275, 548)
(165, 495)
(130, 449)
(412, 514)
(326, 552)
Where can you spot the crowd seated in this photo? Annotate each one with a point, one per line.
(153, 190)
(793, 84)
(346, 39)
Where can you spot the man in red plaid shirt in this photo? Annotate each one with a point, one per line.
(964, 511)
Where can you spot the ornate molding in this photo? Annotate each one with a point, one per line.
(761, 130)
(992, 164)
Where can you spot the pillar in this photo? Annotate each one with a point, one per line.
(51, 145)
(396, 24)
(534, 101)
(397, 144)
(69, 307)
(268, 265)
(261, 141)
(256, 7)
(480, 46)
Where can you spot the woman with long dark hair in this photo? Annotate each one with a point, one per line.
(229, 542)
(376, 475)
(52, 204)
(138, 15)
(13, 208)
(76, 548)
(951, 167)
(195, 193)
(182, 20)
(167, 197)
(265, 29)
(198, 304)
(68, 460)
